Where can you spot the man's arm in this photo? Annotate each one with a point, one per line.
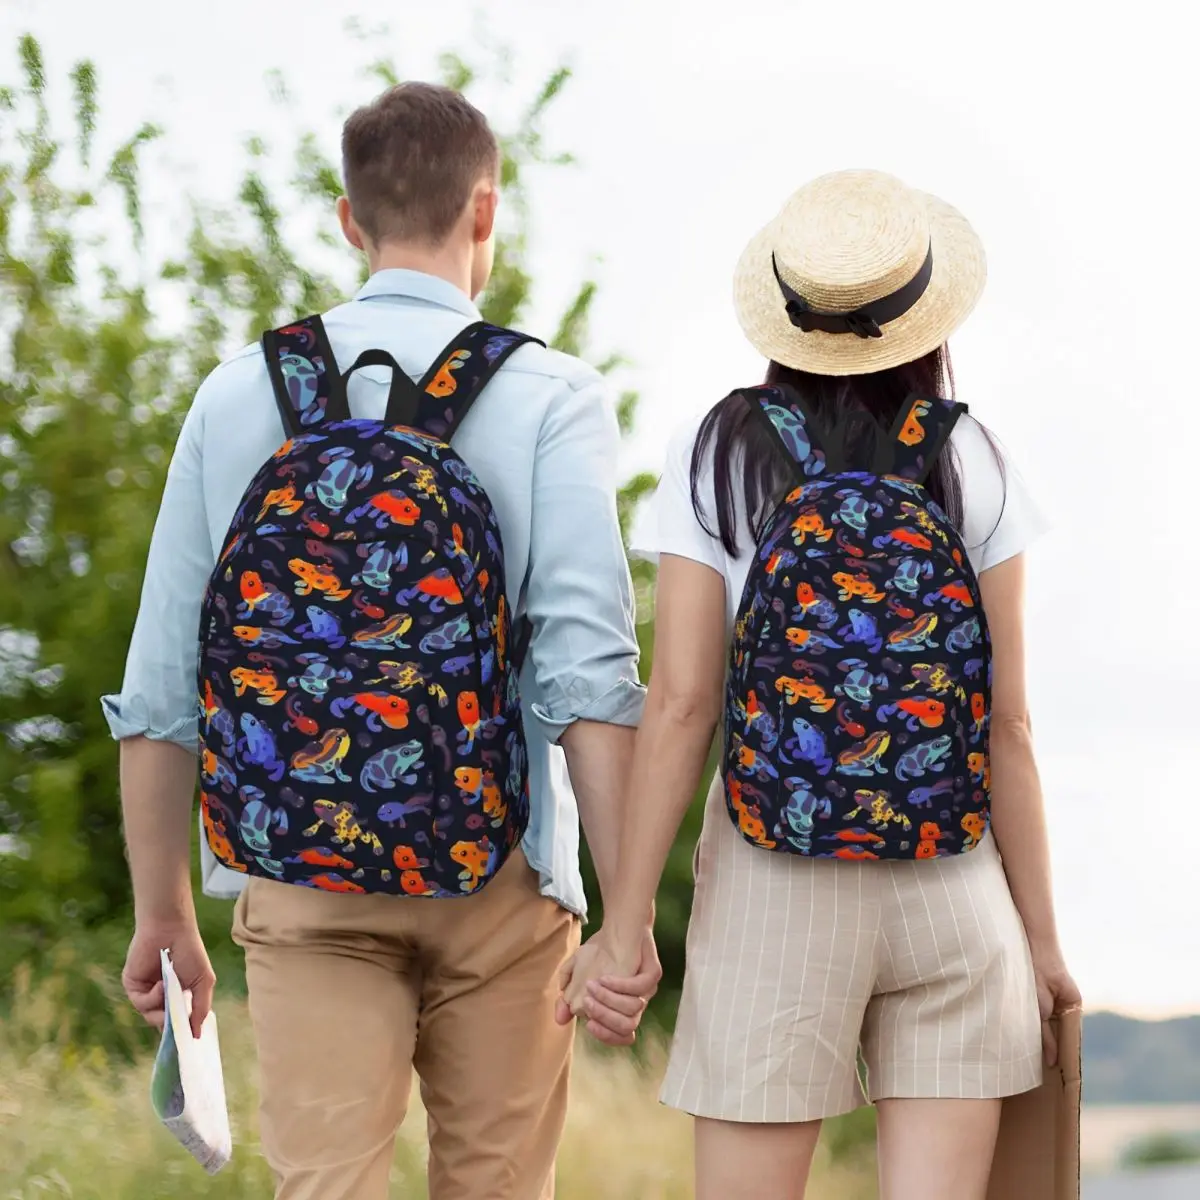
(155, 718)
(579, 597)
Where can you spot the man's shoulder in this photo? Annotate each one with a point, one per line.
(538, 360)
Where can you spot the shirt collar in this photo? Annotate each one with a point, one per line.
(416, 285)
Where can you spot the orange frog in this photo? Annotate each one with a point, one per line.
(810, 523)
(750, 820)
(474, 858)
(312, 578)
(405, 858)
(929, 712)
(262, 682)
(855, 854)
(392, 711)
(444, 384)
(795, 690)
(214, 831)
(858, 585)
(910, 537)
(400, 508)
(978, 710)
(930, 834)
(283, 500)
(470, 781)
(335, 883)
(974, 826)
(493, 799)
(440, 584)
(322, 856)
(468, 714)
(413, 883)
(980, 768)
(253, 589)
(913, 432)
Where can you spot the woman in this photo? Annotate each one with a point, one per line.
(932, 962)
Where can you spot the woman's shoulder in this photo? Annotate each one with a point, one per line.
(1001, 518)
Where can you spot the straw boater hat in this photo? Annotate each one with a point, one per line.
(857, 273)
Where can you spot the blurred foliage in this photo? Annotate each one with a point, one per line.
(93, 385)
(1161, 1150)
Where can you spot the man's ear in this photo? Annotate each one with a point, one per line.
(350, 229)
(487, 197)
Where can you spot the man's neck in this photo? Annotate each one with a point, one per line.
(450, 263)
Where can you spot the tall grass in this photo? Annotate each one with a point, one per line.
(77, 1123)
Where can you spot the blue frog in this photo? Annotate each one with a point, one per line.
(446, 637)
(392, 765)
(928, 756)
(258, 819)
(860, 681)
(808, 745)
(863, 629)
(257, 747)
(964, 637)
(910, 573)
(333, 486)
(799, 814)
(322, 626)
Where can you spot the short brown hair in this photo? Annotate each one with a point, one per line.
(410, 159)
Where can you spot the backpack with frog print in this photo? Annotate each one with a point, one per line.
(859, 687)
(361, 727)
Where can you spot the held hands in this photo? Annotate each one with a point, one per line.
(609, 989)
(142, 977)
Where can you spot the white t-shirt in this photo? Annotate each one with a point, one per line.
(1000, 518)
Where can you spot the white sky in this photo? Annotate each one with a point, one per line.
(1066, 136)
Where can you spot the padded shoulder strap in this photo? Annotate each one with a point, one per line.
(460, 373)
(783, 413)
(921, 429)
(304, 375)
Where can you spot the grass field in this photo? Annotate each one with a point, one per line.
(73, 1124)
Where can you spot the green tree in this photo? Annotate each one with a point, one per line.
(93, 385)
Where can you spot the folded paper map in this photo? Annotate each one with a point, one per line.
(187, 1088)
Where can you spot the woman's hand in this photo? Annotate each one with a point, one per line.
(1056, 992)
(609, 988)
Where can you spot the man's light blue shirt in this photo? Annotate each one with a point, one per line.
(543, 439)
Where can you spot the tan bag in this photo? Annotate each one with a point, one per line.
(1037, 1153)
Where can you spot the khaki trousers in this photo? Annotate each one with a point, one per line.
(350, 993)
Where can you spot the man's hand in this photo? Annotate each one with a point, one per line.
(608, 989)
(142, 977)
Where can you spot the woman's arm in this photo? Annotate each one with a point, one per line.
(1018, 813)
(683, 704)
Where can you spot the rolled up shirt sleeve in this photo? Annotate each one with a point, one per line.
(158, 695)
(579, 595)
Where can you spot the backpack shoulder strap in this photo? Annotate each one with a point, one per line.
(916, 439)
(783, 413)
(304, 375)
(459, 374)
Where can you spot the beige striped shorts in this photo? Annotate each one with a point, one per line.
(797, 967)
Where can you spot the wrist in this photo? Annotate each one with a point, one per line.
(177, 914)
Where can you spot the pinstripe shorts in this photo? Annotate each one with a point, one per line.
(798, 967)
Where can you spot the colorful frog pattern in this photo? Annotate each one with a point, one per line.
(360, 720)
(859, 685)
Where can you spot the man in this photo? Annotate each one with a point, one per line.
(348, 993)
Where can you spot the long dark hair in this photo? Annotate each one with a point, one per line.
(863, 406)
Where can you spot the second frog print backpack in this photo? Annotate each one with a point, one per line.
(856, 717)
